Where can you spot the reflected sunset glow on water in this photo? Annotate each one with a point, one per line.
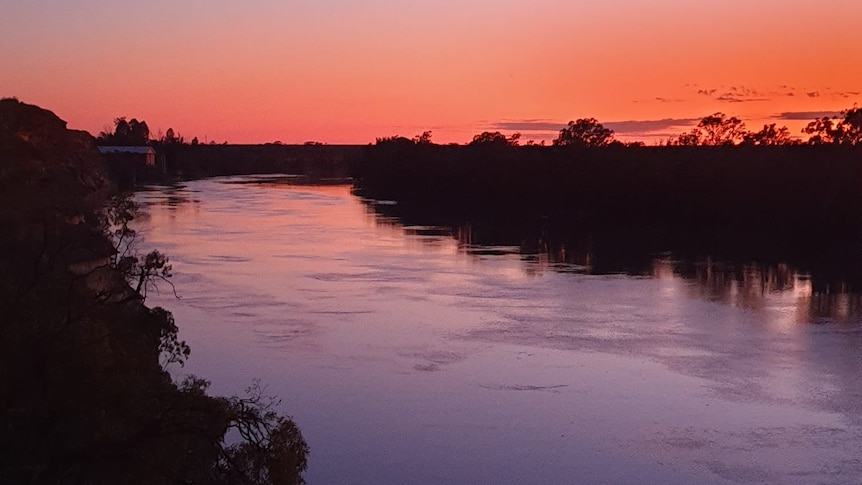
(397, 349)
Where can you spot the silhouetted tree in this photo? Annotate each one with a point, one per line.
(713, 130)
(423, 139)
(495, 138)
(272, 450)
(394, 140)
(122, 128)
(718, 129)
(847, 131)
(689, 139)
(126, 133)
(822, 131)
(851, 126)
(769, 135)
(172, 138)
(141, 273)
(585, 132)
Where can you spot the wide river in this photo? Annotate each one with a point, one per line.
(407, 356)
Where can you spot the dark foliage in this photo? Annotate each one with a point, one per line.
(585, 132)
(321, 161)
(85, 395)
(802, 202)
(714, 130)
(126, 133)
(838, 131)
(487, 138)
(770, 135)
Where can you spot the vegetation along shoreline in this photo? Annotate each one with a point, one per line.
(88, 395)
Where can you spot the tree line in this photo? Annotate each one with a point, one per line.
(720, 130)
(717, 129)
(136, 133)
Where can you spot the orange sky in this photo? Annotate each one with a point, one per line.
(341, 71)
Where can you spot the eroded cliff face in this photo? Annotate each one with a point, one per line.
(53, 185)
(83, 393)
(46, 170)
(79, 362)
(85, 398)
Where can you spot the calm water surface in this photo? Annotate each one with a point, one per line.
(406, 356)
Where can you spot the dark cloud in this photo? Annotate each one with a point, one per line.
(805, 115)
(741, 93)
(637, 127)
(827, 92)
(736, 99)
(630, 127)
(847, 94)
(735, 94)
(528, 125)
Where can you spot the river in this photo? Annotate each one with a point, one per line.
(407, 355)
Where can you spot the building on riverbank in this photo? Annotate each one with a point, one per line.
(130, 164)
(141, 155)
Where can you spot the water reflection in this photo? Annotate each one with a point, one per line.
(403, 340)
(174, 197)
(721, 269)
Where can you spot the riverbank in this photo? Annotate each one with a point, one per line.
(796, 204)
(734, 186)
(187, 162)
(87, 397)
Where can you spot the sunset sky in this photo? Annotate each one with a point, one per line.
(346, 71)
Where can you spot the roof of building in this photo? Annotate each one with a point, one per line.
(120, 149)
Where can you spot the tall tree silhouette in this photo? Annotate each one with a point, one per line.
(126, 133)
(846, 131)
(769, 135)
(713, 130)
(495, 138)
(172, 138)
(586, 132)
(850, 128)
(822, 131)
